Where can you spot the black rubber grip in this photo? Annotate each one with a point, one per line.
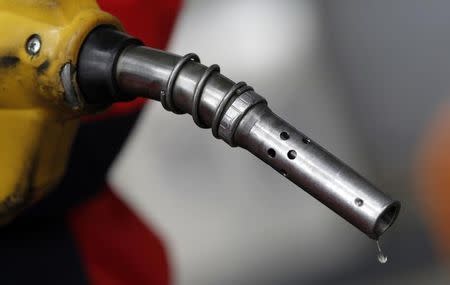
(97, 63)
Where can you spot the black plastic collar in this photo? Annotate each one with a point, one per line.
(97, 63)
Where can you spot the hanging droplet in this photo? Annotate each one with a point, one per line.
(381, 257)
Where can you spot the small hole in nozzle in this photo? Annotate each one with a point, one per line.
(284, 136)
(292, 154)
(283, 172)
(271, 152)
(306, 140)
(359, 202)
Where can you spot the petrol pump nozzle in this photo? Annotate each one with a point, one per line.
(113, 66)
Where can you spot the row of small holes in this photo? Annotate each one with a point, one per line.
(292, 154)
(285, 136)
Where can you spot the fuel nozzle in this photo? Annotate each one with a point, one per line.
(112, 66)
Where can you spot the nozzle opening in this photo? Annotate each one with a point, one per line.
(386, 219)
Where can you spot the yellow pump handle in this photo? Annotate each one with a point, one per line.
(36, 124)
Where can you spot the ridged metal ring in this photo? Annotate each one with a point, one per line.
(198, 94)
(225, 100)
(167, 95)
(234, 114)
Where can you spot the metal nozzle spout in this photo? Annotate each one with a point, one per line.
(318, 172)
(241, 117)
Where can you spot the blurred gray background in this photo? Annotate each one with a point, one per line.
(363, 78)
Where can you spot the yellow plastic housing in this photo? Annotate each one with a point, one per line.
(36, 125)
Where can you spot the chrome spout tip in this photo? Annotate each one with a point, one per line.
(385, 220)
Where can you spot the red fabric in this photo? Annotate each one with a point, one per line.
(149, 20)
(116, 247)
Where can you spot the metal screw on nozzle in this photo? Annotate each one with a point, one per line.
(33, 45)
